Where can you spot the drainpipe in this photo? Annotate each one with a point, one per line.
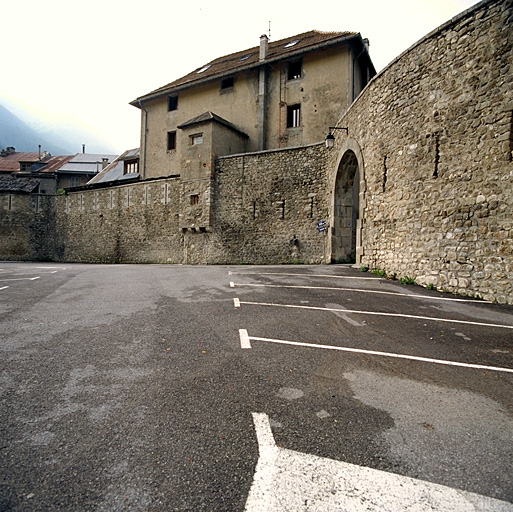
(142, 157)
(262, 92)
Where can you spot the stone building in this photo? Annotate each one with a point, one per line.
(281, 94)
(418, 183)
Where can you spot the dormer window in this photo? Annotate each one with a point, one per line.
(294, 69)
(131, 167)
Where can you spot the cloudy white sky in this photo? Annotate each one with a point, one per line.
(85, 61)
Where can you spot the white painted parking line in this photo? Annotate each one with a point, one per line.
(289, 480)
(4, 287)
(359, 290)
(244, 339)
(376, 313)
(245, 342)
(236, 303)
(21, 279)
(249, 273)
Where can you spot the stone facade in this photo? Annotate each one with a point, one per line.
(434, 136)
(420, 185)
(27, 226)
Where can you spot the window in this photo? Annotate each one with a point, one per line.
(196, 139)
(194, 199)
(75, 181)
(227, 83)
(172, 103)
(293, 116)
(294, 69)
(171, 141)
(204, 68)
(291, 43)
(131, 167)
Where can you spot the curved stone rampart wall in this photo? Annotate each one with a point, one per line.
(435, 130)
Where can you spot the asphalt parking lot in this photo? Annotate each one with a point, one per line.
(249, 388)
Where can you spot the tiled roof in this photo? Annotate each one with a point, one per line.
(20, 185)
(247, 59)
(210, 116)
(11, 162)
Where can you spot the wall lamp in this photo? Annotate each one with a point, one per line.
(330, 139)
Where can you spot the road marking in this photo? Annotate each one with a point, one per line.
(398, 294)
(231, 273)
(236, 302)
(4, 287)
(21, 279)
(246, 343)
(377, 313)
(244, 339)
(290, 480)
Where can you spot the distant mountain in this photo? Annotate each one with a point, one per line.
(25, 132)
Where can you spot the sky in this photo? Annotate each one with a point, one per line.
(83, 62)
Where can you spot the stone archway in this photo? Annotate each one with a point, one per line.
(346, 210)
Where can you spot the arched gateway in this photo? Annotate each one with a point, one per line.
(346, 211)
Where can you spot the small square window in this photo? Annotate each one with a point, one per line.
(294, 69)
(171, 141)
(194, 199)
(293, 116)
(196, 139)
(227, 83)
(172, 103)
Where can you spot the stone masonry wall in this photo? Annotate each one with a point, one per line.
(435, 131)
(135, 223)
(267, 205)
(27, 224)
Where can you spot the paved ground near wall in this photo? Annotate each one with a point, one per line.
(180, 388)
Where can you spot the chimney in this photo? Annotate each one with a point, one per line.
(105, 162)
(83, 148)
(264, 47)
(366, 42)
(39, 151)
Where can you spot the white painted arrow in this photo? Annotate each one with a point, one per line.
(290, 480)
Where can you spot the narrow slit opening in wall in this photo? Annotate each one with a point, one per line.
(283, 209)
(437, 155)
(254, 210)
(311, 207)
(9, 202)
(385, 172)
(511, 138)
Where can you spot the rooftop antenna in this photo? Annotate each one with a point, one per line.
(269, 31)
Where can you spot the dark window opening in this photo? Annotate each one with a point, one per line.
(294, 69)
(172, 103)
(293, 116)
(194, 199)
(171, 140)
(227, 83)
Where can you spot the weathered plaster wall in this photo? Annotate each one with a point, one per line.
(435, 133)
